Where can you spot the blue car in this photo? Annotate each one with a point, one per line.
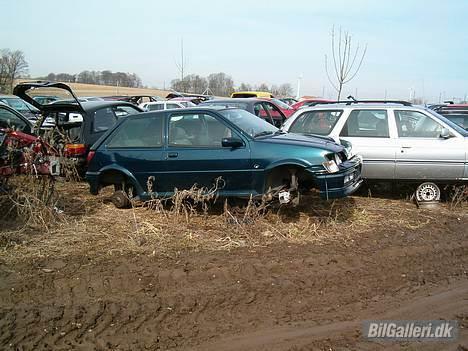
(175, 149)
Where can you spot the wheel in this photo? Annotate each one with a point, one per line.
(427, 192)
(120, 199)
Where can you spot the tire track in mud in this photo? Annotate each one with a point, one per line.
(448, 303)
(278, 296)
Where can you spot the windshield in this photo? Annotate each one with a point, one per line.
(249, 123)
(448, 122)
(18, 104)
(281, 104)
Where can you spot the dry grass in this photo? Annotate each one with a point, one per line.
(91, 226)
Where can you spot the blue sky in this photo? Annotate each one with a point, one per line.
(412, 44)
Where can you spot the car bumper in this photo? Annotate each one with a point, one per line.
(343, 183)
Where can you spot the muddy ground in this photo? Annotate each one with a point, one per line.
(300, 279)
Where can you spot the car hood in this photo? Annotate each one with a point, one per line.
(22, 90)
(325, 143)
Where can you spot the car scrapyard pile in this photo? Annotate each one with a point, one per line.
(249, 222)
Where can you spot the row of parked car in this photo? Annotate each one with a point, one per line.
(250, 143)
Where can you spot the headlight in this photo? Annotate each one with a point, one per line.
(331, 166)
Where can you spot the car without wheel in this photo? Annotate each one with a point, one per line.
(74, 125)
(175, 149)
(398, 141)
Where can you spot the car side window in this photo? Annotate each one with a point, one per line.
(123, 111)
(138, 132)
(172, 105)
(9, 120)
(155, 107)
(367, 124)
(197, 130)
(414, 124)
(319, 122)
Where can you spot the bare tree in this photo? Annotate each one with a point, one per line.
(13, 65)
(346, 61)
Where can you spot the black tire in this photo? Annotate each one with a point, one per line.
(120, 199)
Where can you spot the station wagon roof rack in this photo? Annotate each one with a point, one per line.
(350, 102)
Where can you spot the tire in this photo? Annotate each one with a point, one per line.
(120, 199)
(427, 192)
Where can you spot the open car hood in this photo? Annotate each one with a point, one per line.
(22, 90)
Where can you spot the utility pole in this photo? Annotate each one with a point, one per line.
(298, 86)
(181, 66)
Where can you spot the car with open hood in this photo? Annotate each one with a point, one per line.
(175, 149)
(73, 125)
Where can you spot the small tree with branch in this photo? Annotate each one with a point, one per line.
(347, 61)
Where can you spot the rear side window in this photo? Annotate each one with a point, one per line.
(103, 119)
(139, 132)
(367, 124)
(316, 122)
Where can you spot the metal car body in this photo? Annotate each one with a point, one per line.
(262, 108)
(20, 151)
(175, 149)
(308, 102)
(252, 94)
(398, 141)
(76, 125)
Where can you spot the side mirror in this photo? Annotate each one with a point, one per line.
(445, 134)
(232, 142)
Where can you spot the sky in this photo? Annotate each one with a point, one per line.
(414, 47)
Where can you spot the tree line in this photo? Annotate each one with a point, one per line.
(106, 77)
(221, 84)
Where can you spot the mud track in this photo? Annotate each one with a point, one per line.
(279, 297)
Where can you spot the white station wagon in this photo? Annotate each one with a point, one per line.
(398, 141)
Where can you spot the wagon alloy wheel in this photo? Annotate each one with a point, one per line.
(427, 192)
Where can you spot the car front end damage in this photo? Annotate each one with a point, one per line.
(338, 178)
(21, 153)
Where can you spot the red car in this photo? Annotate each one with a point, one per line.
(282, 106)
(308, 102)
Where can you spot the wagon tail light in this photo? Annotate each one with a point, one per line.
(72, 150)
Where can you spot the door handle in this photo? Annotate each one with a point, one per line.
(403, 148)
(172, 154)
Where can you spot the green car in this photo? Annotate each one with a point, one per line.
(176, 149)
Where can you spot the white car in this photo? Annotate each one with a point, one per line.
(165, 105)
(398, 141)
